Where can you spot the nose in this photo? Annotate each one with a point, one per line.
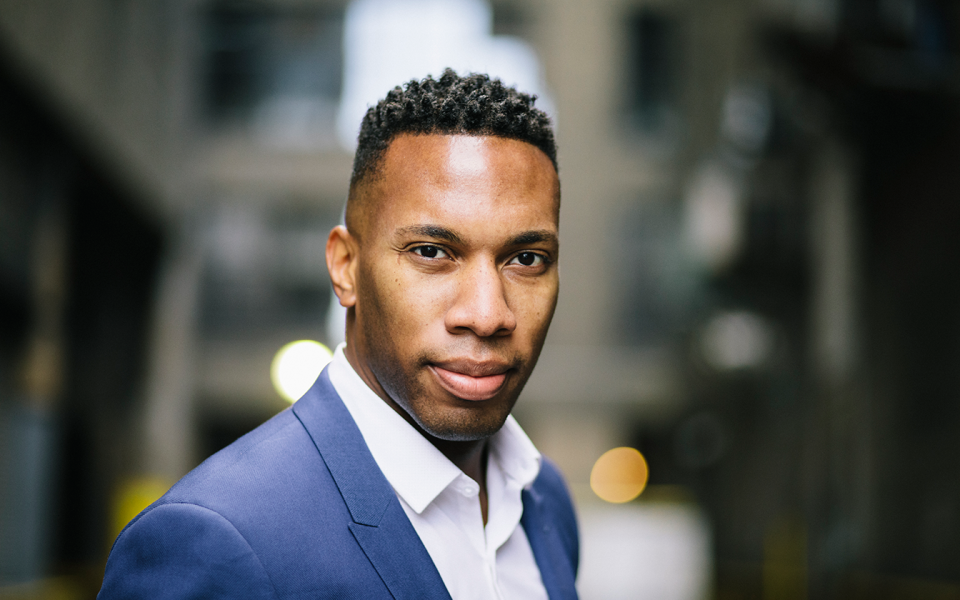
(480, 305)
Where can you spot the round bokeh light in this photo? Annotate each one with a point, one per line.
(619, 475)
(296, 366)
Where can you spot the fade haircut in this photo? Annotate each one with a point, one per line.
(452, 105)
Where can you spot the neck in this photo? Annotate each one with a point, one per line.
(469, 456)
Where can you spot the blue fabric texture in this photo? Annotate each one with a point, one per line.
(298, 508)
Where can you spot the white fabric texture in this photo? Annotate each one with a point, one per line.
(443, 504)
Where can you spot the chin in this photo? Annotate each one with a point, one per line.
(461, 428)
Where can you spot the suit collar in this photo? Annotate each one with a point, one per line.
(547, 547)
(380, 526)
(415, 469)
(363, 487)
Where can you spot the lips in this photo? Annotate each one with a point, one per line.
(470, 380)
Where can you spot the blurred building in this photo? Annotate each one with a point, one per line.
(757, 284)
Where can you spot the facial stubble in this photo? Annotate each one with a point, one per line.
(436, 414)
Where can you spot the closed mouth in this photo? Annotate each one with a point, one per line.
(469, 380)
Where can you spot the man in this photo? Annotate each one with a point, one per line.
(400, 474)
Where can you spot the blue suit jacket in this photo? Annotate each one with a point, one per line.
(298, 508)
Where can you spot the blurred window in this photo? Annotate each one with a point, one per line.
(264, 271)
(276, 70)
(655, 286)
(651, 71)
(392, 41)
(510, 19)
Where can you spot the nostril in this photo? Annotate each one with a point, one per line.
(481, 308)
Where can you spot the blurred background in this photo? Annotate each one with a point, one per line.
(758, 290)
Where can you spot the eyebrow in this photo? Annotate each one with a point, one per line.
(447, 235)
(433, 231)
(534, 237)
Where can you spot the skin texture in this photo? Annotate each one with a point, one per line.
(450, 276)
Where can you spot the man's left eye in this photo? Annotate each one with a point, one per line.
(528, 259)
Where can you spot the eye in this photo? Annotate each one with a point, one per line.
(528, 259)
(430, 251)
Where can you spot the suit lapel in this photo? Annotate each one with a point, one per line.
(547, 547)
(380, 526)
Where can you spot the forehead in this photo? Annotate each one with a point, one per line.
(462, 174)
(463, 156)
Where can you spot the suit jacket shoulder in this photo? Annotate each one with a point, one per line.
(268, 516)
(298, 508)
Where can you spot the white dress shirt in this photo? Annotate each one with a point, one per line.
(443, 504)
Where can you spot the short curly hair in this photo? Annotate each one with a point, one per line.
(473, 104)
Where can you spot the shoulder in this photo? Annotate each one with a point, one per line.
(248, 522)
(266, 484)
(550, 477)
(553, 502)
(202, 556)
(551, 487)
(221, 514)
(251, 466)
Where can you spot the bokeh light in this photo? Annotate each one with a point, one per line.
(296, 366)
(620, 475)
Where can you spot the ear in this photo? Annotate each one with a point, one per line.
(342, 260)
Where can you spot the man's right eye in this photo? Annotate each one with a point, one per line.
(430, 251)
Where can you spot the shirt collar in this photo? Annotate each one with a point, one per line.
(515, 454)
(416, 470)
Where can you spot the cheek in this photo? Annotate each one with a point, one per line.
(376, 299)
(534, 308)
(411, 303)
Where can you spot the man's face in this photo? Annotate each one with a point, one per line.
(456, 279)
